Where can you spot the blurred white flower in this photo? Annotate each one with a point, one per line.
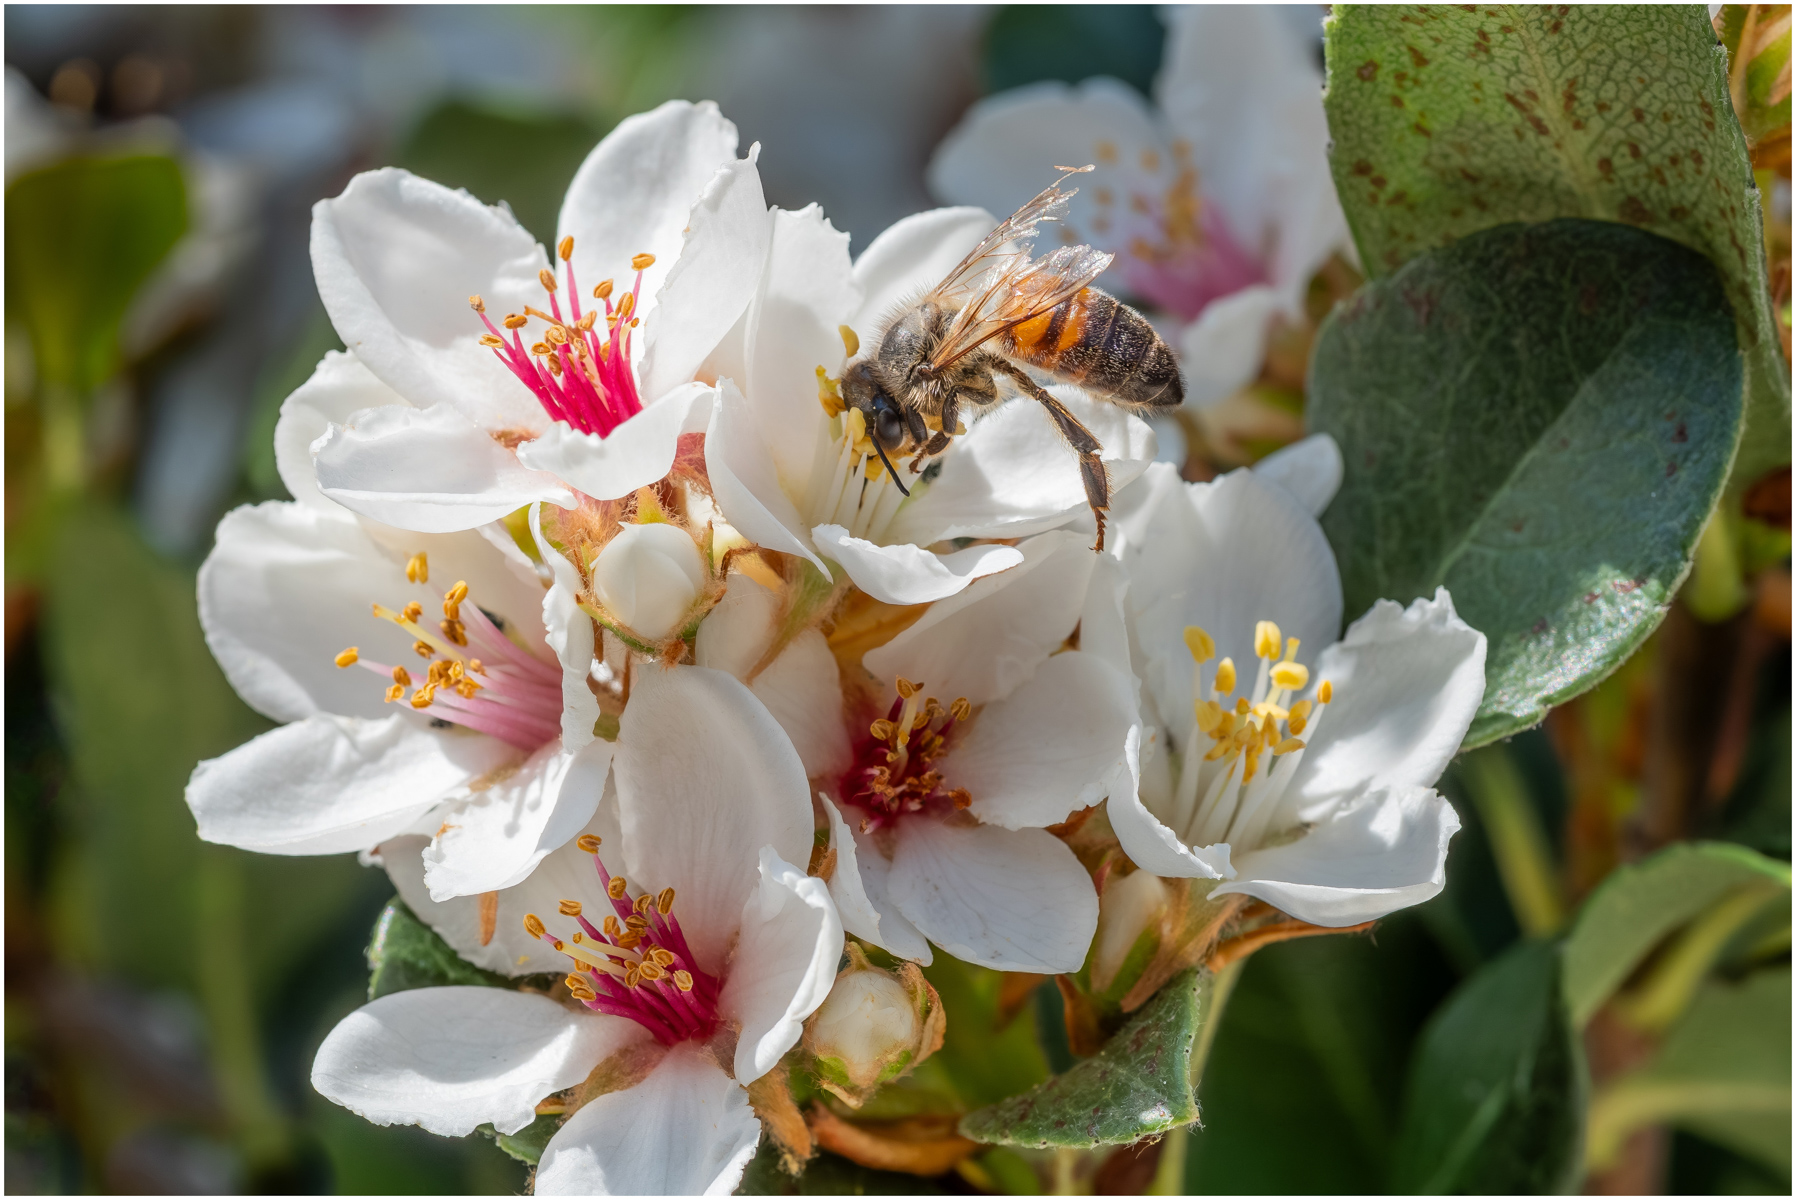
(711, 951)
(476, 421)
(1306, 760)
(1217, 200)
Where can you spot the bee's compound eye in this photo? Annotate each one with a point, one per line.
(889, 427)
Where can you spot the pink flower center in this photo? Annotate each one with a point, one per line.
(473, 674)
(578, 375)
(635, 963)
(894, 771)
(1178, 251)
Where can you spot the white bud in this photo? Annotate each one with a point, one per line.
(873, 1027)
(1129, 910)
(648, 576)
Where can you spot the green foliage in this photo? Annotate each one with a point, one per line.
(405, 953)
(1723, 1072)
(81, 237)
(523, 158)
(1496, 1097)
(1539, 418)
(1140, 1084)
(827, 1175)
(1637, 906)
(1763, 105)
(1027, 43)
(1450, 119)
(984, 1057)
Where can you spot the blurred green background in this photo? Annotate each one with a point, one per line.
(164, 997)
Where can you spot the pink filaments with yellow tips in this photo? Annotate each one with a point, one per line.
(895, 771)
(635, 963)
(473, 674)
(579, 375)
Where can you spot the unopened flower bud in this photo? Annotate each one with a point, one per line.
(873, 1027)
(1129, 913)
(648, 576)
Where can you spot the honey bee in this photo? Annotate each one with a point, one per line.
(997, 314)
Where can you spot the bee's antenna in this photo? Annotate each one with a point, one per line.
(888, 465)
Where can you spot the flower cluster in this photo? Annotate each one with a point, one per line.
(677, 690)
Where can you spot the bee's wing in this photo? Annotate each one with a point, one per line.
(1020, 226)
(1015, 290)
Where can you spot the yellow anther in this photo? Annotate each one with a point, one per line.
(491, 341)
(1225, 676)
(569, 908)
(557, 336)
(394, 692)
(417, 568)
(422, 697)
(1291, 645)
(533, 925)
(662, 955)
(960, 710)
(1288, 746)
(456, 594)
(454, 632)
(1200, 643)
(587, 320)
(603, 291)
(617, 887)
(635, 924)
(664, 902)
(566, 248)
(851, 341)
(1218, 750)
(626, 305)
(575, 981)
(1301, 710)
(1266, 640)
(516, 321)
(1267, 709)
(1290, 676)
(1242, 707)
(589, 842)
(1325, 692)
(559, 944)
(1225, 725)
(348, 657)
(642, 262)
(466, 688)
(881, 729)
(643, 902)
(907, 689)
(402, 676)
(1209, 715)
(422, 649)
(540, 348)
(683, 980)
(650, 971)
(1252, 767)
(632, 977)
(547, 278)
(412, 611)
(476, 303)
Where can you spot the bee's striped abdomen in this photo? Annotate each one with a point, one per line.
(1098, 342)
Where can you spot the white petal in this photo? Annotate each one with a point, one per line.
(1009, 899)
(453, 1058)
(1055, 745)
(1385, 851)
(1007, 148)
(686, 1130)
(1224, 555)
(806, 295)
(705, 779)
(713, 280)
(637, 453)
(737, 632)
(1103, 625)
(802, 688)
(858, 886)
(287, 587)
(908, 574)
(431, 470)
(745, 483)
(635, 191)
(1013, 475)
(1407, 683)
(396, 258)
(1222, 351)
(909, 258)
(325, 785)
(1151, 846)
(499, 835)
(783, 966)
(339, 386)
(989, 639)
(570, 635)
(1309, 469)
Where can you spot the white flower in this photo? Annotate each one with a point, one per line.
(967, 734)
(793, 478)
(1218, 203)
(478, 717)
(1305, 762)
(693, 968)
(544, 387)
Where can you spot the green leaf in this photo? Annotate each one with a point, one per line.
(1496, 1093)
(81, 238)
(1637, 906)
(1540, 419)
(1137, 1086)
(1723, 1073)
(1450, 119)
(982, 1059)
(406, 953)
(826, 1175)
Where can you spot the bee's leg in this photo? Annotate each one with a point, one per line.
(950, 421)
(1084, 443)
(919, 437)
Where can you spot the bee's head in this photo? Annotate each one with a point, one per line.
(885, 420)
